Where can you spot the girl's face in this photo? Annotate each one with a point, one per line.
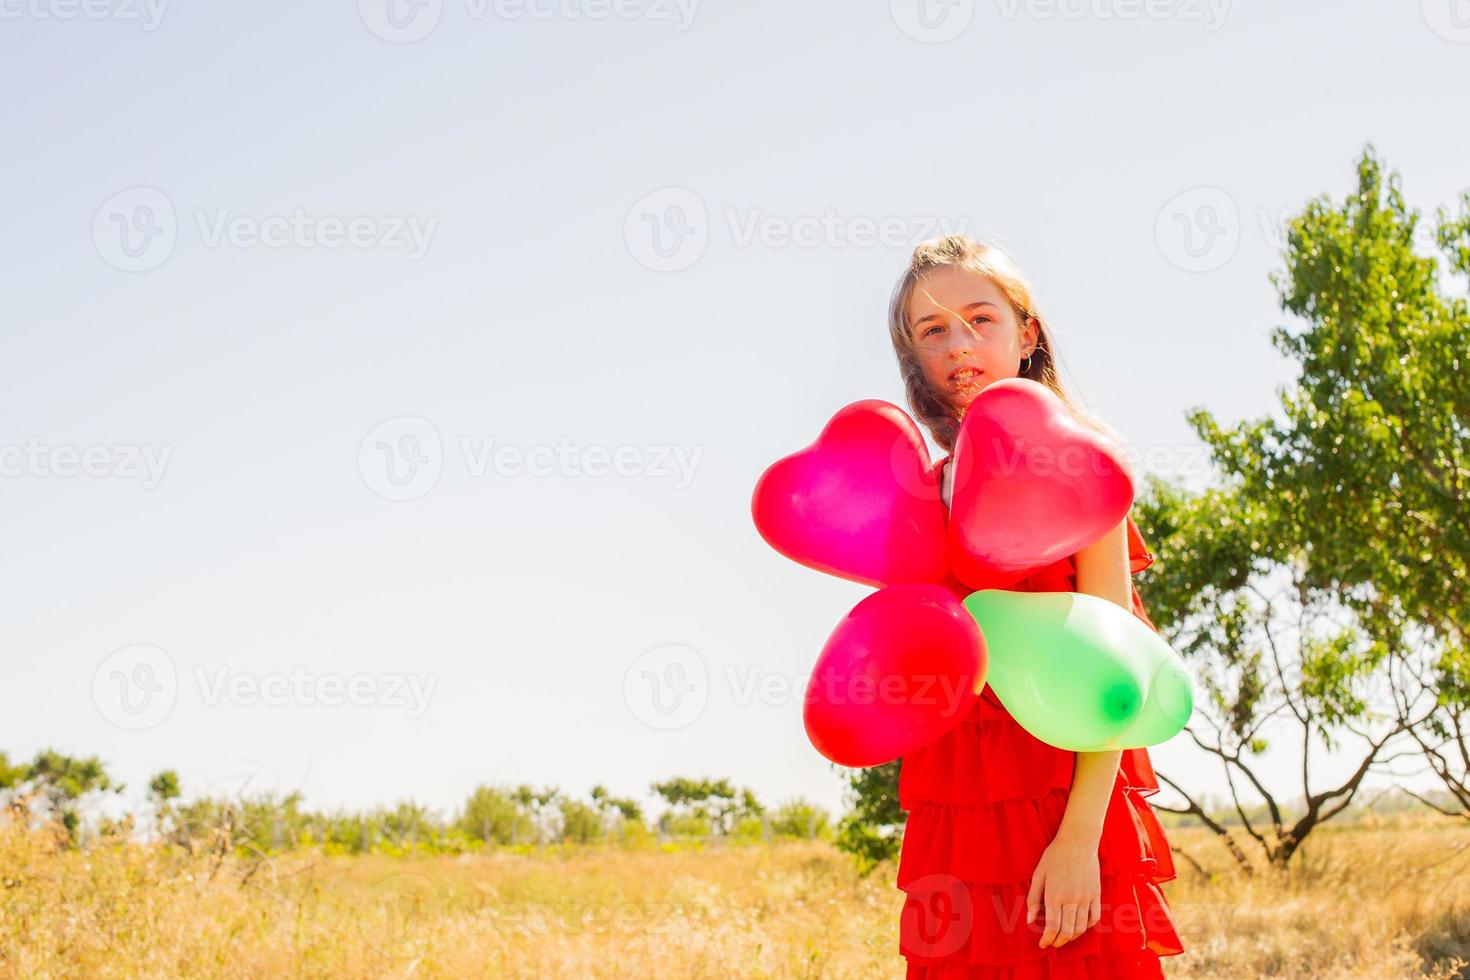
(966, 333)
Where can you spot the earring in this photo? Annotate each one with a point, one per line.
(1027, 368)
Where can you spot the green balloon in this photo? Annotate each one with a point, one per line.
(1080, 672)
(1167, 708)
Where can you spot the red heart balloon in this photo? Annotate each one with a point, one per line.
(901, 669)
(1032, 485)
(862, 502)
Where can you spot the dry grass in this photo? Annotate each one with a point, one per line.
(1384, 901)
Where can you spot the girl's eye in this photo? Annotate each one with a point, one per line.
(931, 330)
(980, 316)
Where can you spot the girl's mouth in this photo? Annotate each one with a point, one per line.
(964, 377)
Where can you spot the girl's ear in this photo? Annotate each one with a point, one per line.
(1030, 334)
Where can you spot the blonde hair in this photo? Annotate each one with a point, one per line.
(931, 406)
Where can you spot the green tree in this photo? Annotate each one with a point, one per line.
(163, 789)
(1324, 578)
(627, 808)
(581, 823)
(491, 814)
(408, 824)
(63, 780)
(801, 818)
(1282, 665)
(1369, 467)
(10, 776)
(543, 806)
(705, 805)
(872, 828)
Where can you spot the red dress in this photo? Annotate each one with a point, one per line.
(984, 800)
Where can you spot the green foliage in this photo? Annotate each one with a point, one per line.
(872, 829)
(164, 787)
(677, 823)
(1307, 582)
(493, 815)
(628, 809)
(581, 823)
(265, 821)
(10, 776)
(714, 805)
(801, 818)
(63, 781)
(1368, 469)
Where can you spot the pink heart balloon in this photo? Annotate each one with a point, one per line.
(901, 669)
(1032, 485)
(862, 502)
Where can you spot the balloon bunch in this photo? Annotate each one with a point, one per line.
(1030, 485)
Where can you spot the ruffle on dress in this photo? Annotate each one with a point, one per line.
(970, 847)
(984, 800)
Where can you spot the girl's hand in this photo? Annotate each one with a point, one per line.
(1067, 875)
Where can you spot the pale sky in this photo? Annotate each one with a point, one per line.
(321, 321)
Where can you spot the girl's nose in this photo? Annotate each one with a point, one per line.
(961, 338)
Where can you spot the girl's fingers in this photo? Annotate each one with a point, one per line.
(1053, 924)
(1033, 897)
(1069, 930)
(1094, 912)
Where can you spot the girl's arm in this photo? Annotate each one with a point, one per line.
(1066, 879)
(1102, 570)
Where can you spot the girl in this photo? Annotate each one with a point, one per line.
(1019, 859)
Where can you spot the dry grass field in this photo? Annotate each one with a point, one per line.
(1384, 900)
